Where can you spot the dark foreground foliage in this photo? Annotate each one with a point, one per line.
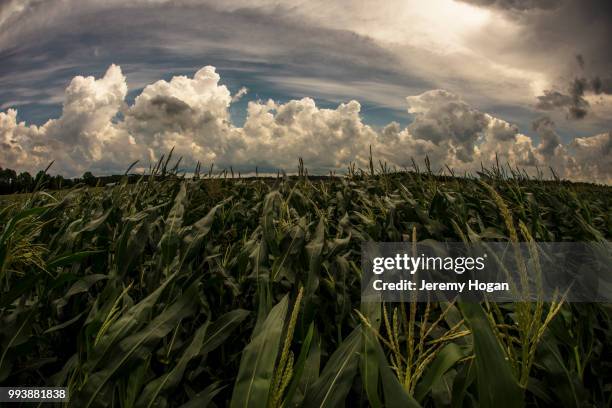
(243, 293)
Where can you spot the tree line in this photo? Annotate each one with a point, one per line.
(13, 182)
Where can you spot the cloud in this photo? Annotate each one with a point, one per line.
(565, 40)
(241, 92)
(189, 114)
(574, 101)
(277, 134)
(98, 130)
(549, 139)
(594, 154)
(360, 52)
(442, 117)
(502, 142)
(17, 142)
(575, 104)
(517, 5)
(80, 135)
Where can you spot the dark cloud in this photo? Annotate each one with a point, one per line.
(599, 85)
(580, 60)
(549, 139)
(503, 131)
(171, 105)
(569, 40)
(553, 100)
(554, 33)
(11, 9)
(577, 107)
(441, 116)
(520, 5)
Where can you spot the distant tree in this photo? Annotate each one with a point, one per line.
(89, 178)
(8, 181)
(25, 181)
(58, 182)
(11, 182)
(7, 176)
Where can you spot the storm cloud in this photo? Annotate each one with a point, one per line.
(518, 5)
(567, 38)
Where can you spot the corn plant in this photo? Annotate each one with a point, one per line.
(220, 290)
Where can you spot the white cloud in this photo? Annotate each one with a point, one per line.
(17, 142)
(325, 138)
(190, 114)
(241, 92)
(444, 119)
(98, 130)
(502, 142)
(594, 156)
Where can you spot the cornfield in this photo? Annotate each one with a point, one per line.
(211, 291)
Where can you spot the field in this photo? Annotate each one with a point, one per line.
(198, 292)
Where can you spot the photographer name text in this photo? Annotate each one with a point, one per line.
(423, 285)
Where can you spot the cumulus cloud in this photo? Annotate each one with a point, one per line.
(277, 134)
(83, 132)
(444, 119)
(549, 139)
(594, 154)
(503, 142)
(97, 130)
(190, 114)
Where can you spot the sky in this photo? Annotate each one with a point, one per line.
(97, 85)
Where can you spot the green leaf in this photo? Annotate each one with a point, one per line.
(497, 386)
(69, 259)
(15, 331)
(131, 242)
(446, 358)
(136, 347)
(174, 376)
(124, 326)
(369, 364)
(258, 359)
(80, 286)
(204, 398)
(466, 375)
(314, 248)
(195, 234)
(169, 243)
(310, 372)
(134, 383)
(221, 329)
(65, 324)
(334, 383)
(395, 395)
